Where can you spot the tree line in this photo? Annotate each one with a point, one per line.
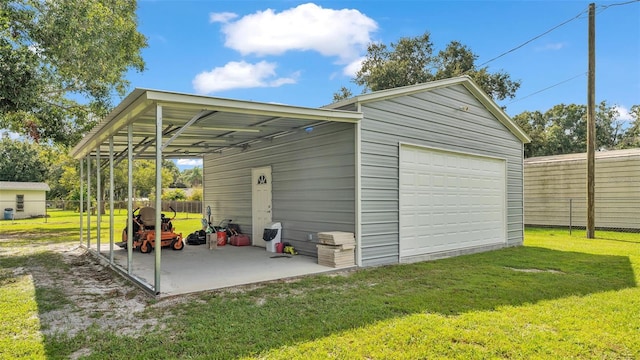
(23, 160)
(563, 129)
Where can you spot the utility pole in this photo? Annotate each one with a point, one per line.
(591, 125)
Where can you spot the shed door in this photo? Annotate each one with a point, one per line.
(450, 201)
(260, 203)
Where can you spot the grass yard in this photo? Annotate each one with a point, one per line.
(559, 296)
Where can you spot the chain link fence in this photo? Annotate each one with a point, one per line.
(611, 213)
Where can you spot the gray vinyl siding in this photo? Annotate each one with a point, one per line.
(313, 186)
(550, 186)
(431, 119)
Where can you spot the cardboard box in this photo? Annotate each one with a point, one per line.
(336, 255)
(336, 238)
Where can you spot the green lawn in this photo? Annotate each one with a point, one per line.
(63, 226)
(559, 296)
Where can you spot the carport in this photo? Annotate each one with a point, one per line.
(150, 124)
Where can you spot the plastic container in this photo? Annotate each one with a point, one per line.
(272, 235)
(8, 213)
(280, 248)
(221, 236)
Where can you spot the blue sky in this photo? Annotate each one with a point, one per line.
(300, 53)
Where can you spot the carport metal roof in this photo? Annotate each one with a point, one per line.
(195, 125)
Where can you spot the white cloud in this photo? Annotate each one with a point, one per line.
(189, 162)
(552, 47)
(223, 17)
(308, 27)
(240, 75)
(352, 68)
(623, 113)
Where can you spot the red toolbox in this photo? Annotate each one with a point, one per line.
(240, 240)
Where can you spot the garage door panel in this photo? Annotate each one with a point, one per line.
(450, 200)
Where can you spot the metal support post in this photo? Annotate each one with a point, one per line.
(89, 202)
(111, 195)
(81, 201)
(98, 200)
(130, 198)
(158, 241)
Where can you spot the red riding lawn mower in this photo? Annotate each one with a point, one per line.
(144, 233)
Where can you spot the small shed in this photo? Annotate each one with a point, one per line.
(555, 190)
(416, 173)
(25, 199)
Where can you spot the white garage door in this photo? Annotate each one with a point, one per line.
(450, 201)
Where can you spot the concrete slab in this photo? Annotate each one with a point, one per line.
(197, 268)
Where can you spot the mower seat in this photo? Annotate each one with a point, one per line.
(148, 216)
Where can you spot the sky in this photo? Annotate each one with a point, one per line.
(300, 53)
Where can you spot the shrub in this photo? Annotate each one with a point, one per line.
(176, 194)
(196, 195)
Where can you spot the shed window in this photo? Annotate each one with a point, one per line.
(19, 202)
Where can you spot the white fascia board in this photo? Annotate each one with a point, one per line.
(399, 91)
(496, 110)
(464, 80)
(175, 100)
(121, 116)
(411, 89)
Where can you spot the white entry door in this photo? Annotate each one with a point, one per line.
(450, 201)
(260, 203)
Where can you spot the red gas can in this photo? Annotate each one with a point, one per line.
(221, 237)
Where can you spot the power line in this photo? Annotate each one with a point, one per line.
(547, 88)
(604, 7)
(536, 37)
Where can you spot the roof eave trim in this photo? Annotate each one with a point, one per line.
(135, 103)
(251, 108)
(496, 110)
(465, 80)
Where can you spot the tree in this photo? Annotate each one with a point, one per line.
(193, 177)
(174, 194)
(411, 61)
(631, 136)
(342, 94)
(55, 52)
(458, 59)
(563, 129)
(21, 161)
(58, 164)
(144, 177)
(173, 169)
(534, 124)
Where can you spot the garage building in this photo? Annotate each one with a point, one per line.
(418, 172)
(556, 190)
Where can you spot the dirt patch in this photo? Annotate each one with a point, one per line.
(80, 353)
(78, 294)
(537, 271)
